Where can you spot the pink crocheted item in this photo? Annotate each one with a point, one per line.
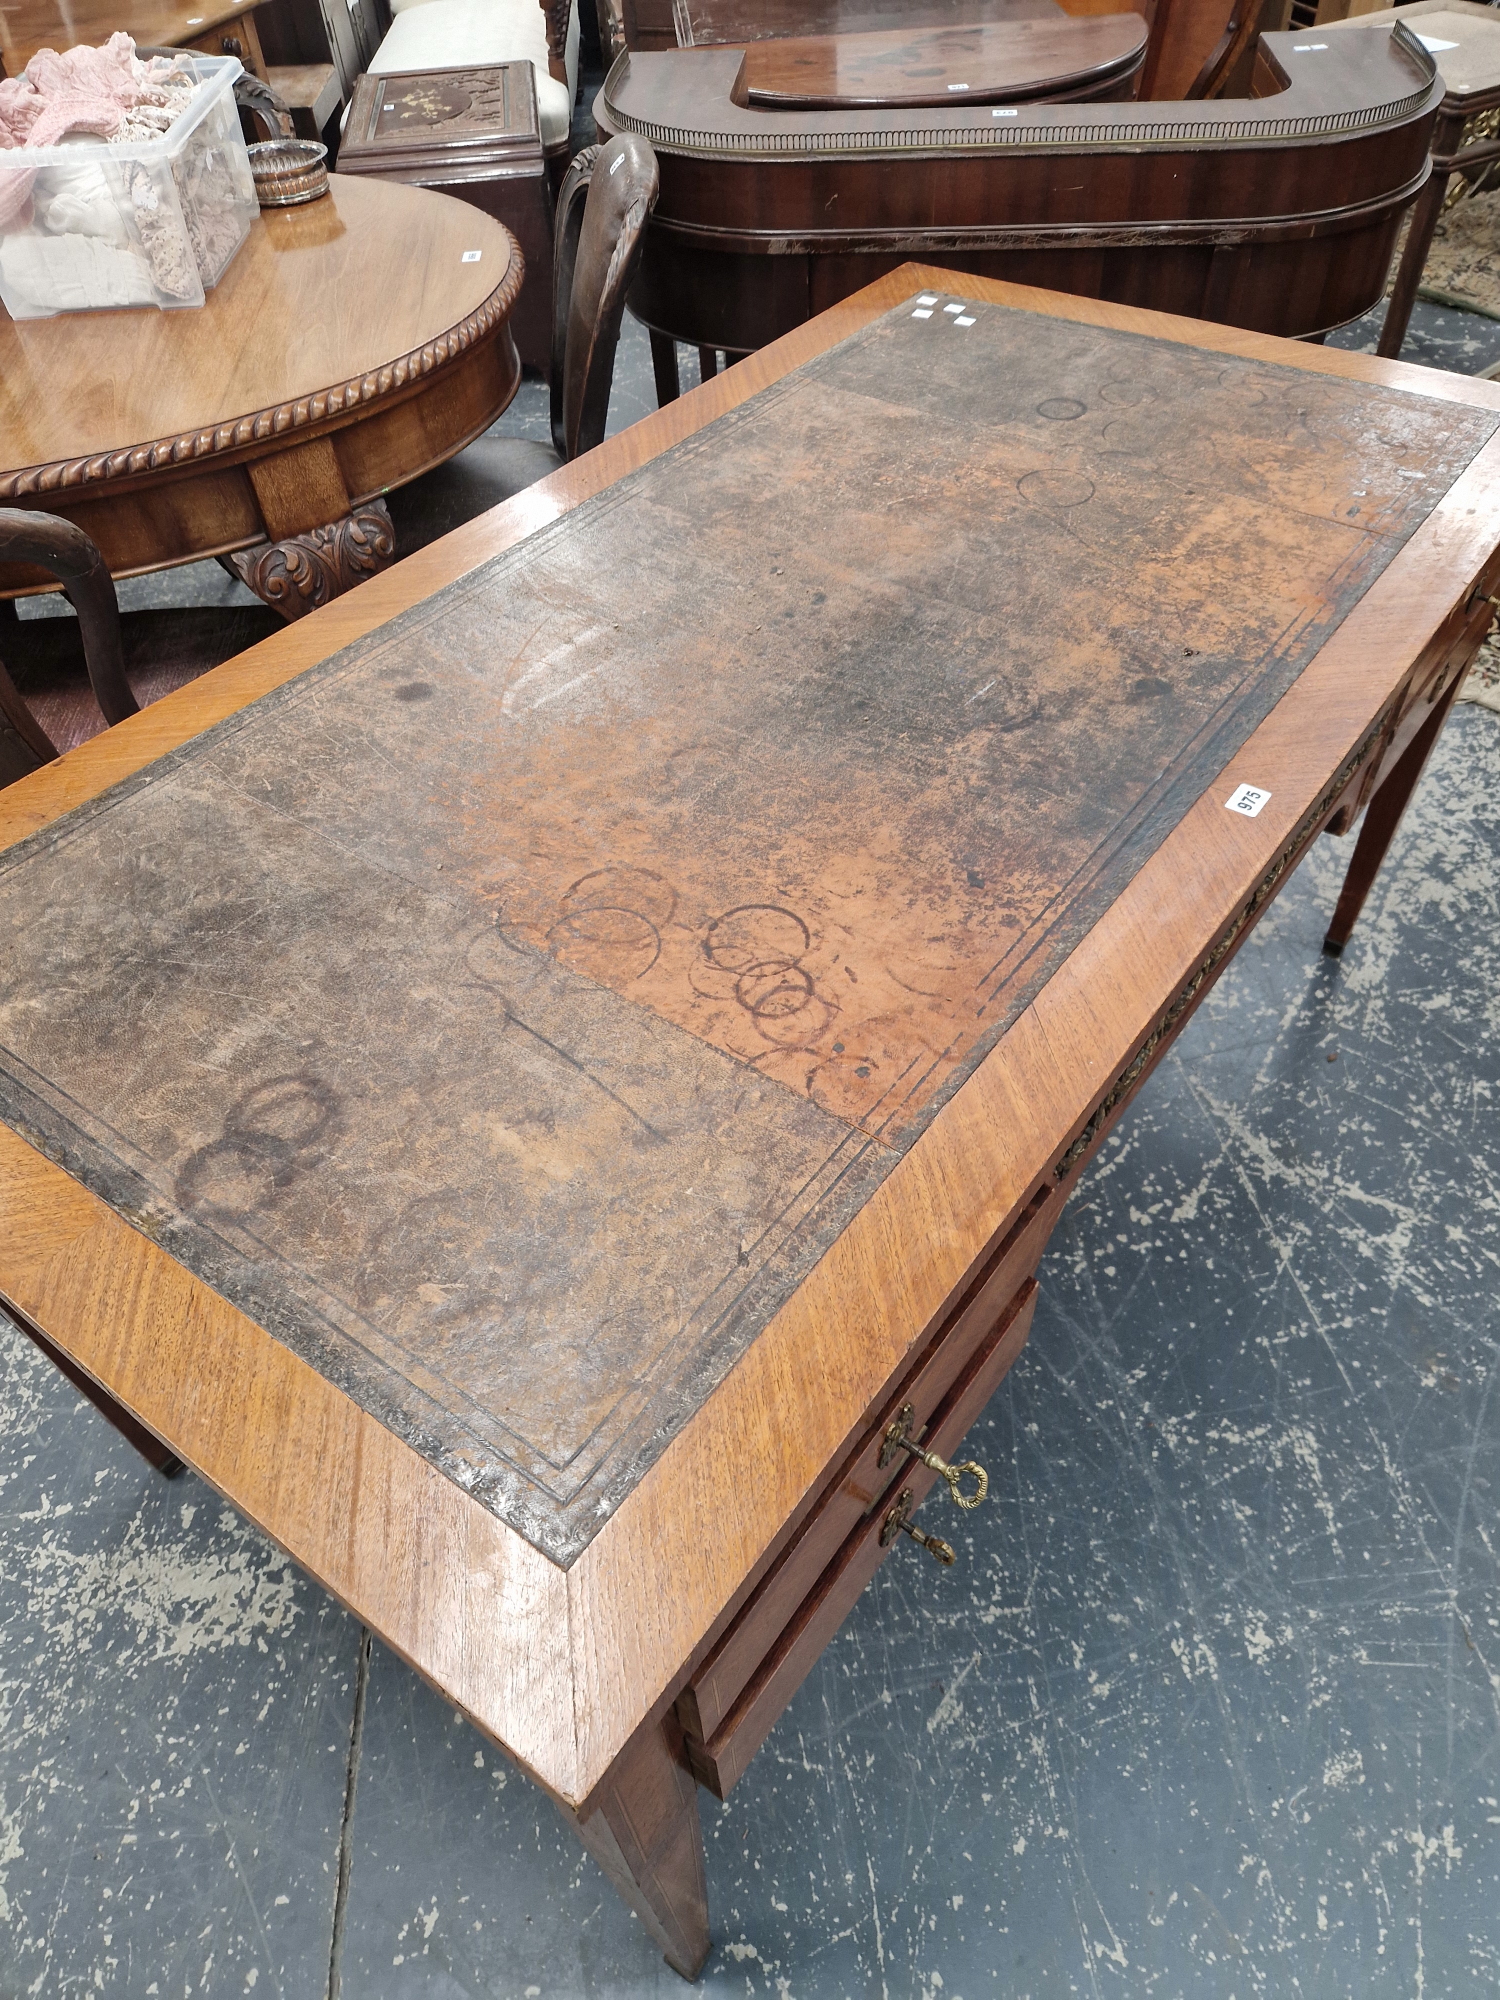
(81, 90)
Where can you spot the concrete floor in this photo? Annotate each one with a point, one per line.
(1210, 1706)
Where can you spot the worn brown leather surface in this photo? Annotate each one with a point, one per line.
(508, 1012)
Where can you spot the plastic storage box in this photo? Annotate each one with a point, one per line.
(143, 223)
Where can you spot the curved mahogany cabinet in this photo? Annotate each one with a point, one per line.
(1277, 213)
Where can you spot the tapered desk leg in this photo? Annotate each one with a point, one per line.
(664, 367)
(644, 1833)
(1424, 220)
(146, 1442)
(1382, 817)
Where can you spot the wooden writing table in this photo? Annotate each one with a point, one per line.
(537, 1079)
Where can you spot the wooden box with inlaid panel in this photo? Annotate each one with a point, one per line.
(473, 133)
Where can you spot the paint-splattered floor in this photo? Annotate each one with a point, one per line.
(1210, 1706)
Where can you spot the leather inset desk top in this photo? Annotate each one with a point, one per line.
(510, 1011)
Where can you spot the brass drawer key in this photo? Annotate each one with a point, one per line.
(898, 1523)
(897, 1438)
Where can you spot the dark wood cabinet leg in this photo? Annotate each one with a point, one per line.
(664, 367)
(1424, 220)
(643, 1831)
(146, 1442)
(1382, 817)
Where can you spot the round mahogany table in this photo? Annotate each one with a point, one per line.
(351, 345)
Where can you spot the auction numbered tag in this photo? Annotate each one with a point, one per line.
(1246, 799)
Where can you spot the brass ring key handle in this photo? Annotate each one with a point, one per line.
(898, 1523)
(897, 1438)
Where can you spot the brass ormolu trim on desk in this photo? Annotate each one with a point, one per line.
(1307, 829)
(1367, 754)
(740, 128)
(295, 414)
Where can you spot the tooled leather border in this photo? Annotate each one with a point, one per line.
(293, 415)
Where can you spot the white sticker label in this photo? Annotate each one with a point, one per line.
(927, 298)
(952, 309)
(963, 320)
(472, 256)
(1246, 799)
(1005, 114)
(922, 312)
(958, 86)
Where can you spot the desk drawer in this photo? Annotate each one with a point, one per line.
(862, 1480)
(786, 1647)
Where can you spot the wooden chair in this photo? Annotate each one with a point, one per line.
(606, 195)
(53, 544)
(1199, 48)
(63, 681)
